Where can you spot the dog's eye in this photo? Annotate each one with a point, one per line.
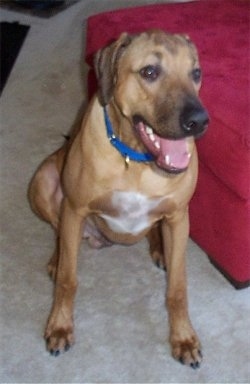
(196, 75)
(150, 72)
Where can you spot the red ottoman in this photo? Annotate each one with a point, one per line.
(220, 208)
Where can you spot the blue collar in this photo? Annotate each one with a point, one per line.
(127, 152)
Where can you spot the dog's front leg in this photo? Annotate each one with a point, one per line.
(59, 333)
(183, 339)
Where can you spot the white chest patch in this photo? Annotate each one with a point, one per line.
(133, 212)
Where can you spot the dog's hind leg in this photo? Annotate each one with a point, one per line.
(156, 246)
(45, 192)
(45, 196)
(53, 262)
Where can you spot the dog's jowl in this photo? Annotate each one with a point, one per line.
(129, 171)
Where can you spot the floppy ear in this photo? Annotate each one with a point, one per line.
(105, 63)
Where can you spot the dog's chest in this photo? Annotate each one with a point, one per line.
(133, 212)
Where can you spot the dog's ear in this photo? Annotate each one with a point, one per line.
(186, 38)
(105, 62)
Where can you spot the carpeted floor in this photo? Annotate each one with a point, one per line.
(121, 322)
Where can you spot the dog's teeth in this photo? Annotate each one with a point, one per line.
(150, 133)
(157, 144)
(167, 159)
(152, 137)
(149, 130)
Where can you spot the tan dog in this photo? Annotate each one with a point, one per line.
(129, 171)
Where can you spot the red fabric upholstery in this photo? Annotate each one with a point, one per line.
(220, 209)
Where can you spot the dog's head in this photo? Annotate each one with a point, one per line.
(154, 79)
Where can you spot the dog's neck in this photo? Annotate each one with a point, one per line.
(125, 151)
(123, 128)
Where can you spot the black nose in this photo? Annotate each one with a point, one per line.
(194, 118)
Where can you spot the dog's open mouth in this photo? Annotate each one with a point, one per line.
(171, 155)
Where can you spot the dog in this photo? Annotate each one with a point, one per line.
(128, 172)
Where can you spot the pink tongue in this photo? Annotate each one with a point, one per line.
(173, 154)
(169, 154)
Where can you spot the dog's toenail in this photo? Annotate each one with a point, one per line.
(67, 347)
(195, 365)
(181, 360)
(54, 353)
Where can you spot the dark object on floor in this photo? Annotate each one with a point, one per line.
(39, 5)
(12, 38)
(39, 8)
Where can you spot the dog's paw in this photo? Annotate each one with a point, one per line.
(159, 259)
(52, 270)
(59, 340)
(52, 265)
(156, 247)
(188, 352)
